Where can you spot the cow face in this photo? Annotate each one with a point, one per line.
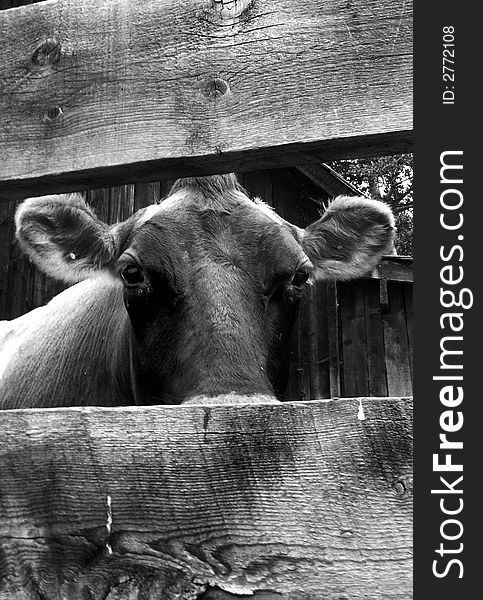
(210, 279)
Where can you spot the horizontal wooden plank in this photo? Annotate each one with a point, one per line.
(101, 91)
(394, 268)
(298, 501)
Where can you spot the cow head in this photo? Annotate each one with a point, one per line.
(210, 278)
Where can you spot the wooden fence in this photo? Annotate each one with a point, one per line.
(104, 92)
(298, 501)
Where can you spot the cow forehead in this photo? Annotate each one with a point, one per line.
(180, 205)
(182, 199)
(229, 223)
(151, 212)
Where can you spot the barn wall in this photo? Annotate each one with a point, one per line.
(4, 4)
(376, 340)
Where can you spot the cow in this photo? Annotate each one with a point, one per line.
(188, 301)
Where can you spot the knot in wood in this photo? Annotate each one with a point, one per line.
(53, 113)
(47, 53)
(231, 9)
(216, 88)
(399, 487)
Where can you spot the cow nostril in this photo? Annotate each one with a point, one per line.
(132, 275)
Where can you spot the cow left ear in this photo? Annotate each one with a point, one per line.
(350, 238)
(63, 237)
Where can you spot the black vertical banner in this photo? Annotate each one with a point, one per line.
(448, 184)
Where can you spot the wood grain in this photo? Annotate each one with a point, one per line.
(320, 320)
(333, 333)
(408, 310)
(396, 342)
(376, 363)
(353, 338)
(107, 92)
(297, 501)
(394, 268)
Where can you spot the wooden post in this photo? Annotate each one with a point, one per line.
(333, 332)
(101, 93)
(294, 501)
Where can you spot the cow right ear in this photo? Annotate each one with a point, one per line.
(63, 237)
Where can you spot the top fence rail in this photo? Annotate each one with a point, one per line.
(104, 92)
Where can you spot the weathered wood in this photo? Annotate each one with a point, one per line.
(260, 184)
(321, 326)
(333, 333)
(314, 342)
(146, 194)
(299, 501)
(288, 198)
(376, 364)
(396, 342)
(6, 233)
(354, 339)
(394, 268)
(325, 177)
(306, 328)
(105, 92)
(408, 311)
(4, 4)
(295, 389)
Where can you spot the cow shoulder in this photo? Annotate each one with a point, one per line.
(68, 352)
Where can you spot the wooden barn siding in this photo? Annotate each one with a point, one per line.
(376, 345)
(4, 4)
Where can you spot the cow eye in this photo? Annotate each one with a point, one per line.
(132, 275)
(300, 278)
